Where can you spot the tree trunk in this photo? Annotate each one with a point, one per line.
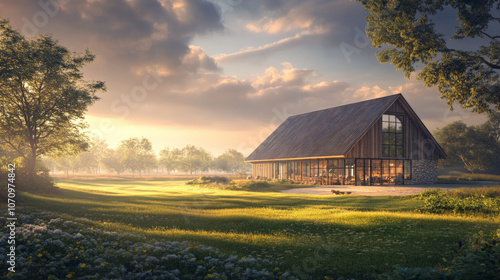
(31, 166)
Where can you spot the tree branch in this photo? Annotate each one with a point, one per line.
(489, 36)
(492, 65)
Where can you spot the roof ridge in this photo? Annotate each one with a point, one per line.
(325, 132)
(349, 104)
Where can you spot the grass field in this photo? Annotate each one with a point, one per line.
(318, 236)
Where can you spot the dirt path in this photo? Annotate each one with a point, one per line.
(383, 190)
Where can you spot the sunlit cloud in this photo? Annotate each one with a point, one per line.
(163, 83)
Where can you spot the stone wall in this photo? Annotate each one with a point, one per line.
(423, 172)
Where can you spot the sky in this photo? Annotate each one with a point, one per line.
(222, 74)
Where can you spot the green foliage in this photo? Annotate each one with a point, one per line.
(224, 183)
(43, 97)
(231, 161)
(209, 179)
(253, 186)
(283, 181)
(480, 261)
(136, 154)
(168, 159)
(192, 159)
(407, 33)
(43, 183)
(484, 192)
(430, 192)
(474, 147)
(462, 201)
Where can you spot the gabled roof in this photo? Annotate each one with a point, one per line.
(325, 133)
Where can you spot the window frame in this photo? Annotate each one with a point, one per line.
(391, 148)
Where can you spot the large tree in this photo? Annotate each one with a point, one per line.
(472, 146)
(406, 32)
(231, 161)
(43, 97)
(193, 159)
(137, 154)
(169, 159)
(113, 161)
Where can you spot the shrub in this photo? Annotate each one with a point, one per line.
(480, 261)
(209, 179)
(430, 192)
(483, 192)
(464, 201)
(224, 183)
(43, 183)
(254, 186)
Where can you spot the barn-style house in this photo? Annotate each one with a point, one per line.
(375, 142)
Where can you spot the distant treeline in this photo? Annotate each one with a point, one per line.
(136, 155)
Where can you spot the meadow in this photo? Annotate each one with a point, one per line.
(310, 237)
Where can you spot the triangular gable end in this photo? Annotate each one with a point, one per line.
(369, 145)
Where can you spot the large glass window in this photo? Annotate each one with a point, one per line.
(349, 172)
(336, 171)
(306, 169)
(392, 171)
(376, 172)
(322, 172)
(360, 172)
(392, 136)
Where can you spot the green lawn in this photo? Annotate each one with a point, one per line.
(320, 236)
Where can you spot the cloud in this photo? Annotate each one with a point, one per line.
(209, 99)
(289, 76)
(268, 49)
(138, 32)
(156, 75)
(298, 23)
(296, 16)
(295, 20)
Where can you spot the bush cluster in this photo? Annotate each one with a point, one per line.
(224, 183)
(480, 261)
(463, 201)
(208, 180)
(43, 182)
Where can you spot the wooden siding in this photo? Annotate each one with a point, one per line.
(419, 142)
(263, 170)
(396, 108)
(418, 145)
(370, 145)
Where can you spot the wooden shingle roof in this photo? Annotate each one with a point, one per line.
(325, 133)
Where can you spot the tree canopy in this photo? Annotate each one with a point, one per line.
(473, 147)
(43, 97)
(408, 36)
(231, 161)
(137, 155)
